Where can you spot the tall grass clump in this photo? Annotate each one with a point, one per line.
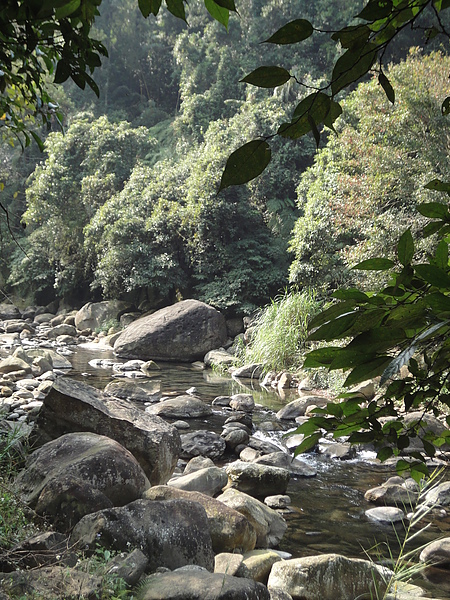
(279, 331)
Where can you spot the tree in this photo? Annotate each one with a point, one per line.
(362, 191)
(365, 42)
(44, 40)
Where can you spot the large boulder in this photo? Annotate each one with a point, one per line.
(171, 533)
(77, 474)
(269, 525)
(328, 577)
(9, 311)
(229, 529)
(181, 407)
(75, 406)
(257, 479)
(197, 584)
(185, 331)
(94, 315)
(297, 408)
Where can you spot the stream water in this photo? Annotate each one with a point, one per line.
(327, 513)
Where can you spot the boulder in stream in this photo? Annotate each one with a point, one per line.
(170, 533)
(77, 474)
(185, 331)
(75, 406)
(328, 577)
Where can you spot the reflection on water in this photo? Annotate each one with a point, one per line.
(328, 511)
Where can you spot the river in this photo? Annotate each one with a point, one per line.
(327, 513)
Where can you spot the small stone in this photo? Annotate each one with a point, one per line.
(387, 514)
(277, 501)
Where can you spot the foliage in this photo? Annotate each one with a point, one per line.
(166, 232)
(41, 38)
(404, 324)
(365, 43)
(83, 169)
(15, 524)
(360, 194)
(279, 331)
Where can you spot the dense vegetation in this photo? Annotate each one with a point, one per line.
(125, 202)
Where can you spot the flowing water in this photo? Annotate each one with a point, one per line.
(327, 513)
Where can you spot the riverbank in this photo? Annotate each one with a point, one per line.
(311, 538)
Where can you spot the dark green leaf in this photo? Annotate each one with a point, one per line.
(351, 294)
(406, 315)
(308, 443)
(246, 163)
(375, 264)
(441, 255)
(149, 6)
(387, 87)
(176, 7)
(322, 357)
(445, 108)
(349, 358)
(432, 228)
(376, 9)
(334, 329)
(405, 248)
(352, 65)
(368, 370)
(229, 4)
(267, 77)
(433, 275)
(315, 106)
(220, 14)
(438, 302)
(438, 186)
(429, 448)
(291, 33)
(385, 453)
(67, 9)
(397, 363)
(365, 437)
(434, 210)
(353, 36)
(62, 72)
(334, 112)
(38, 141)
(334, 409)
(314, 130)
(331, 312)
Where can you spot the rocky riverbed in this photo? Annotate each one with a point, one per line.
(137, 469)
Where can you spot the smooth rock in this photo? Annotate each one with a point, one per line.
(269, 525)
(202, 443)
(209, 481)
(181, 407)
(170, 533)
(297, 408)
(328, 577)
(386, 514)
(74, 406)
(437, 553)
(185, 331)
(229, 529)
(200, 585)
(79, 473)
(256, 479)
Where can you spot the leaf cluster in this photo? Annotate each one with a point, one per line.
(405, 324)
(364, 45)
